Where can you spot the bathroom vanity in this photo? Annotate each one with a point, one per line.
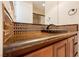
(42, 44)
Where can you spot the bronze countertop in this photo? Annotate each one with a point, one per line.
(33, 41)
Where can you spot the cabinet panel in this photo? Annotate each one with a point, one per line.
(75, 39)
(45, 52)
(70, 46)
(60, 49)
(75, 49)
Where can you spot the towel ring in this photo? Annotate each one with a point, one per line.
(72, 12)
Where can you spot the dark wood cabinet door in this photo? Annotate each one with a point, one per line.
(45, 52)
(60, 49)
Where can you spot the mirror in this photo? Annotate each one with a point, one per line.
(29, 12)
(38, 12)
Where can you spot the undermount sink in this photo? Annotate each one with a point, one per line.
(54, 30)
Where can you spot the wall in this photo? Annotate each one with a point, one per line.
(51, 11)
(23, 11)
(58, 12)
(1, 29)
(64, 18)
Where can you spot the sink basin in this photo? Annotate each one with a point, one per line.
(54, 30)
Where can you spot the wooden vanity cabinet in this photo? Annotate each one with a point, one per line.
(64, 48)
